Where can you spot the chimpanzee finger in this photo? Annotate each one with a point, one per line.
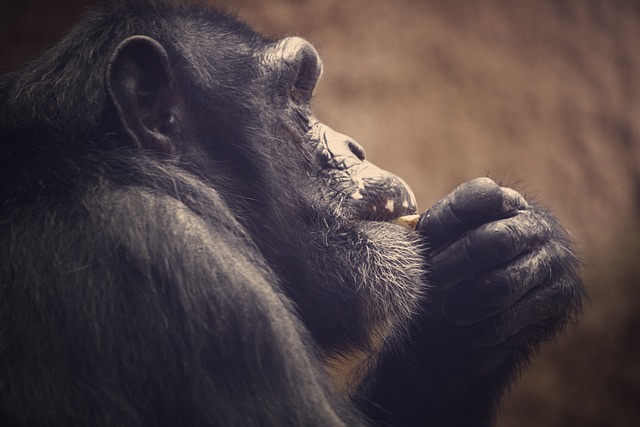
(485, 248)
(536, 308)
(485, 296)
(473, 203)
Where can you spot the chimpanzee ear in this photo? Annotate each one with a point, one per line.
(140, 84)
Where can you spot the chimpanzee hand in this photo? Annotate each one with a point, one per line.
(500, 267)
(504, 278)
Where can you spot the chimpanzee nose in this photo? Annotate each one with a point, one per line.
(356, 149)
(343, 147)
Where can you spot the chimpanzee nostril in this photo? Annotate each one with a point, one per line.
(338, 145)
(356, 149)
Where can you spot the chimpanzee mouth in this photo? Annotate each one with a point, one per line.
(366, 193)
(407, 221)
(390, 201)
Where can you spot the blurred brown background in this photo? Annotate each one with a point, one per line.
(542, 95)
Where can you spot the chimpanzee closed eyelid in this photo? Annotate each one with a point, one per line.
(184, 243)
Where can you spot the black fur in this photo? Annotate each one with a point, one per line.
(183, 243)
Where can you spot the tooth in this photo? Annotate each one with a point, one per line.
(407, 221)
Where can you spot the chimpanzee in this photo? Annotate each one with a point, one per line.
(185, 244)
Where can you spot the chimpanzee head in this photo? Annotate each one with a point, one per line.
(205, 92)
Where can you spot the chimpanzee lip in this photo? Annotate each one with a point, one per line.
(406, 218)
(395, 208)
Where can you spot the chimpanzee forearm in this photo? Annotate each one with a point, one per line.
(436, 382)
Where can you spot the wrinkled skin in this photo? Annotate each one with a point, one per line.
(185, 141)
